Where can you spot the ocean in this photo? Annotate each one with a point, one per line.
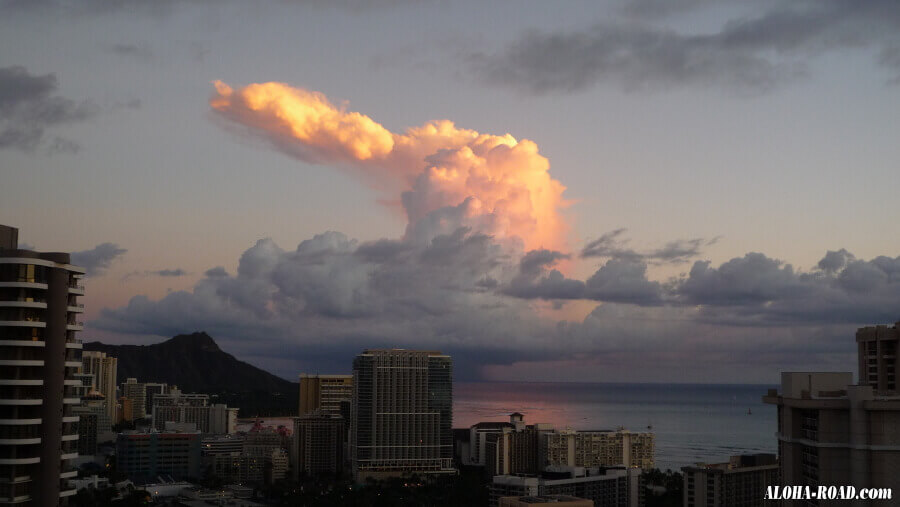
(692, 422)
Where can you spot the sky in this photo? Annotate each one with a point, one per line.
(622, 191)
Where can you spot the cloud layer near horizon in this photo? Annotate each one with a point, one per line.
(469, 295)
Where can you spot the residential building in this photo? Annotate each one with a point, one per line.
(741, 482)
(832, 433)
(87, 433)
(217, 445)
(102, 369)
(609, 487)
(93, 423)
(324, 393)
(152, 389)
(277, 466)
(146, 455)
(137, 393)
(514, 449)
(262, 442)
(179, 407)
(319, 442)
(239, 468)
(598, 448)
(39, 357)
(877, 356)
(476, 437)
(124, 410)
(556, 500)
(401, 416)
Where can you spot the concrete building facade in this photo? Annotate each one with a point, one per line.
(877, 356)
(515, 449)
(103, 370)
(556, 500)
(39, 358)
(324, 393)
(741, 482)
(833, 433)
(319, 442)
(178, 407)
(613, 487)
(137, 393)
(598, 448)
(401, 416)
(146, 455)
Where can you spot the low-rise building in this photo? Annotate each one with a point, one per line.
(556, 500)
(146, 455)
(598, 448)
(610, 487)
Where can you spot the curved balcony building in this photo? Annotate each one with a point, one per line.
(39, 353)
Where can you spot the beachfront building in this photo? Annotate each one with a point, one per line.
(834, 433)
(740, 482)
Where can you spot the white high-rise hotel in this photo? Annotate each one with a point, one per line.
(39, 358)
(401, 415)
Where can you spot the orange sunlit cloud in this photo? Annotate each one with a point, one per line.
(494, 184)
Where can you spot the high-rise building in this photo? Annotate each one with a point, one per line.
(476, 436)
(93, 423)
(606, 487)
(598, 448)
(401, 416)
(324, 393)
(147, 455)
(741, 482)
(39, 357)
(137, 393)
(515, 449)
(319, 442)
(102, 370)
(151, 389)
(124, 410)
(877, 356)
(833, 433)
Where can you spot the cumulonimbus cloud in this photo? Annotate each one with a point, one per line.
(449, 177)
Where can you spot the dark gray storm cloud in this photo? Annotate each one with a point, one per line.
(747, 54)
(614, 245)
(753, 290)
(170, 272)
(29, 106)
(165, 273)
(98, 259)
(469, 295)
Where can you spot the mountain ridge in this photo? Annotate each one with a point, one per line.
(195, 363)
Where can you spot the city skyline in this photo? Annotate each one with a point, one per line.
(507, 189)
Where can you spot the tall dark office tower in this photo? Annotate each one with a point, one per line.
(39, 357)
(401, 416)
